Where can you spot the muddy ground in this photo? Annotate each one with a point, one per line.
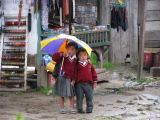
(109, 104)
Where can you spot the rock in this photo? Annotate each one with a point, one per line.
(101, 105)
(148, 97)
(144, 102)
(49, 93)
(121, 101)
(128, 114)
(134, 85)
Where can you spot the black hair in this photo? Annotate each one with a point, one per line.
(81, 50)
(72, 44)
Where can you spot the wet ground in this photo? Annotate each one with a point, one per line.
(111, 102)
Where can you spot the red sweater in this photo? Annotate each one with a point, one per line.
(68, 64)
(85, 73)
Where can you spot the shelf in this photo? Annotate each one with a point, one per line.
(13, 54)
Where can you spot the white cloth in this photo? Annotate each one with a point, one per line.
(71, 57)
(83, 63)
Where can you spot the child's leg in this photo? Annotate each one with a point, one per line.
(62, 102)
(79, 95)
(71, 102)
(89, 97)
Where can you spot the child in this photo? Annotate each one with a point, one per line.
(63, 87)
(85, 79)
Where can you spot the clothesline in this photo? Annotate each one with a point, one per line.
(118, 5)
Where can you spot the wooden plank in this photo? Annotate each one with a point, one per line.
(141, 40)
(153, 50)
(153, 5)
(152, 35)
(153, 15)
(152, 25)
(43, 78)
(152, 44)
(12, 89)
(132, 37)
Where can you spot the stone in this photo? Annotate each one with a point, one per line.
(121, 101)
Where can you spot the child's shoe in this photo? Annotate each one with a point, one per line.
(81, 111)
(89, 111)
(63, 111)
(72, 111)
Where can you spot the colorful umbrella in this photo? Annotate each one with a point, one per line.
(57, 43)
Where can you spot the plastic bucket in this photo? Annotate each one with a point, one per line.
(50, 66)
(147, 60)
(156, 59)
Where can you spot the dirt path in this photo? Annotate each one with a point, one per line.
(33, 106)
(107, 105)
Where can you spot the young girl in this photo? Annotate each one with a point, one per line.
(63, 87)
(85, 78)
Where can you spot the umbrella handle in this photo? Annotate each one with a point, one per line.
(61, 73)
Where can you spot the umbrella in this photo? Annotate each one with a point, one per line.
(57, 43)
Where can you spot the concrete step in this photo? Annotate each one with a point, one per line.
(100, 70)
(103, 77)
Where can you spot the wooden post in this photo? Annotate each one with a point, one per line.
(142, 19)
(69, 17)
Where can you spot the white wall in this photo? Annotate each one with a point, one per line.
(11, 7)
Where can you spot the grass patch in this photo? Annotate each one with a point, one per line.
(134, 99)
(83, 119)
(44, 91)
(18, 117)
(121, 90)
(3, 93)
(93, 59)
(19, 93)
(108, 64)
(143, 80)
(107, 118)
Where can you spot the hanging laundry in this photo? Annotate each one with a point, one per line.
(44, 18)
(65, 9)
(119, 18)
(20, 13)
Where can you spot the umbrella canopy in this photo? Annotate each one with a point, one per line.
(57, 43)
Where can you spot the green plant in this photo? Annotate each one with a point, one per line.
(107, 118)
(108, 64)
(93, 59)
(83, 119)
(121, 90)
(134, 98)
(19, 93)
(44, 91)
(3, 93)
(18, 117)
(143, 80)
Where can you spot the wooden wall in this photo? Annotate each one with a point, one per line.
(152, 31)
(123, 43)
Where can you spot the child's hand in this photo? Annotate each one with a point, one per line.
(72, 83)
(94, 84)
(64, 54)
(89, 61)
(52, 78)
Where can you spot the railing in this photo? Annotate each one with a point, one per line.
(95, 38)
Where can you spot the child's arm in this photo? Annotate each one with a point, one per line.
(57, 57)
(74, 77)
(94, 76)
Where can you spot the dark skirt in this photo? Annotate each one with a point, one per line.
(63, 87)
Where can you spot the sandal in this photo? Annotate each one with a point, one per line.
(63, 111)
(73, 111)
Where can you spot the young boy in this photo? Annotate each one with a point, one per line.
(85, 79)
